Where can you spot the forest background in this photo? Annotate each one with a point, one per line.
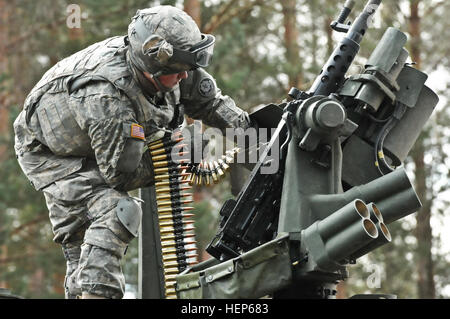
(263, 49)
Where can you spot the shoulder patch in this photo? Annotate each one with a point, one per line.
(206, 87)
(137, 131)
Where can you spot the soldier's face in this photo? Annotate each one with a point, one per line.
(168, 80)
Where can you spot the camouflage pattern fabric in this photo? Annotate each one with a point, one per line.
(84, 221)
(71, 136)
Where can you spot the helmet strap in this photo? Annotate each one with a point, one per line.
(145, 84)
(140, 74)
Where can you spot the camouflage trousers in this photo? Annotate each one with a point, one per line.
(82, 210)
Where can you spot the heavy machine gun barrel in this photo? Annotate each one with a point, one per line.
(334, 70)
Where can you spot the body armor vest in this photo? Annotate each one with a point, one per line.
(106, 61)
(103, 61)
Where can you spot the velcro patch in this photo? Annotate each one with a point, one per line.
(206, 87)
(137, 131)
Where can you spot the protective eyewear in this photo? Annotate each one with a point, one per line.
(198, 55)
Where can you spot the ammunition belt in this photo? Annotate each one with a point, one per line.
(206, 171)
(172, 179)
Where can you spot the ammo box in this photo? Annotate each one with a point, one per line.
(253, 274)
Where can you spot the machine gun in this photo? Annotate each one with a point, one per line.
(338, 185)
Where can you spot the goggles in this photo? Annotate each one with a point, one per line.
(198, 56)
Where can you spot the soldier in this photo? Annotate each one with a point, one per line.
(81, 134)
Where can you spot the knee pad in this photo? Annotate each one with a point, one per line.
(116, 228)
(129, 214)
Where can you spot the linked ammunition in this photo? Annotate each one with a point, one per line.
(172, 196)
(168, 250)
(192, 179)
(174, 210)
(168, 170)
(180, 256)
(227, 159)
(169, 176)
(179, 242)
(175, 223)
(213, 172)
(176, 244)
(168, 163)
(168, 156)
(170, 280)
(181, 263)
(163, 144)
(172, 190)
(177, 236)
(166, 150)
(170, 183)
(223, 165)
(207, 176)
(174, 203)
(218, 169)
(170, 283)
(171, 292)
(199, 174)
(175, 230)
(171, 288)
(170, 270)
(171, 216)
(167, 139)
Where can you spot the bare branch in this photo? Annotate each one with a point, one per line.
(228, 12)
(431, 8)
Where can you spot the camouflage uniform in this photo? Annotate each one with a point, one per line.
(74, 142)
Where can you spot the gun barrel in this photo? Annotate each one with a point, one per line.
(383, 238)
(341, 219)
(359, 27)
(333, 73)
(348, 6)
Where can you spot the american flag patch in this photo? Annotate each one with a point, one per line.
(137, 131)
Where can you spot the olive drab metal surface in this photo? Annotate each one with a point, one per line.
(340, 182)
(253, 274)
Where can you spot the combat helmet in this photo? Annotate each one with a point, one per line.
(166, 40)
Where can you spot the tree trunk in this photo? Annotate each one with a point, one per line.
(329, 33)
(291, 43)
(192, 7)
(4, 114)
(423, 232)
(3, 256)
(36, 283)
